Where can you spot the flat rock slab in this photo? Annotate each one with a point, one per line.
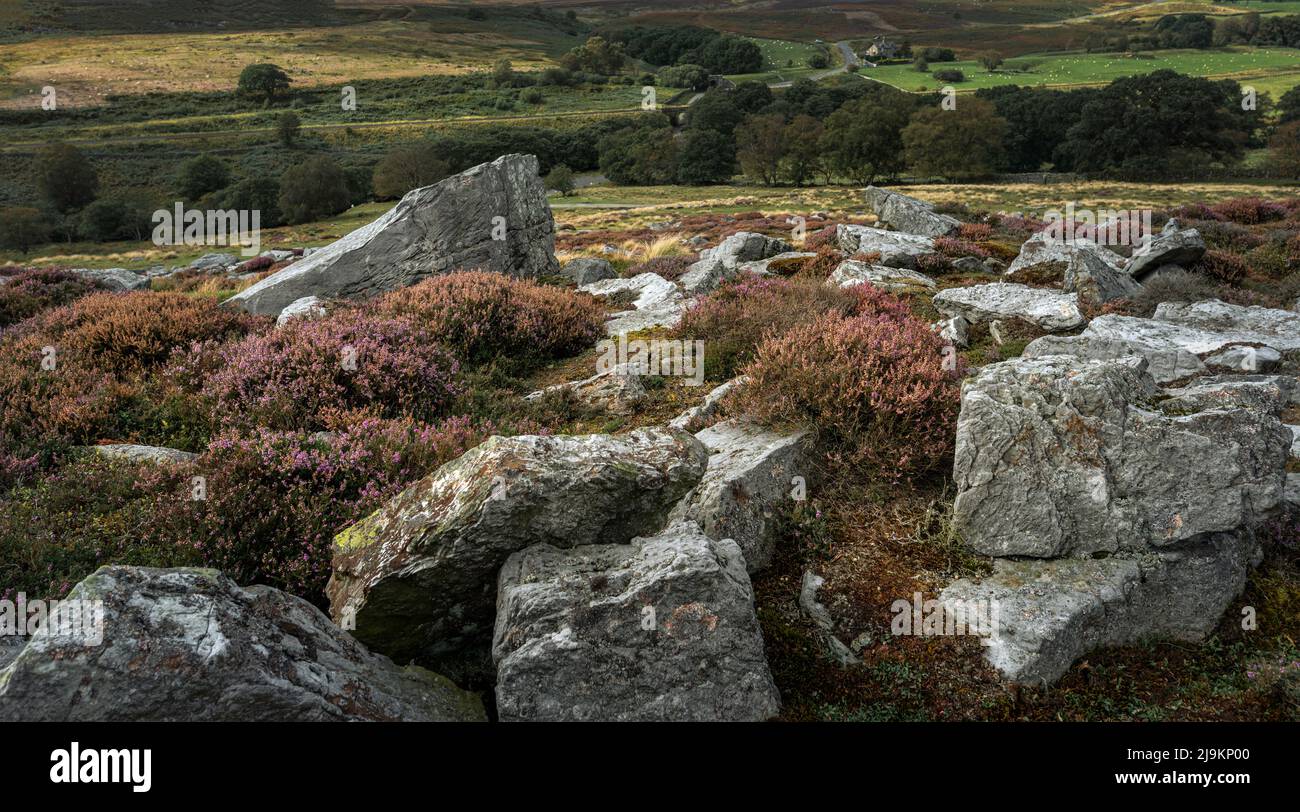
(418, 576)
(660, 629)
(492, 217)
(118, 279)
(1279, 329)
(1167, 335)
(897, 250)
(142, 453)
(748, 482)
(1270, 394)
(690, 419)
(1049, 613)
(783, 264)
(853, 272)
(659, 303)
(1049, 309)
(617, 391)
(910, 215)
(191, 645)
(1058, 456)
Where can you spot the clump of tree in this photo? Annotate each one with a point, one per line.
(408, 167)
(678, 45)
(956, 144)
(560, 179)
(313, 189)
(264, 82)
(596, 55)
(201, 175)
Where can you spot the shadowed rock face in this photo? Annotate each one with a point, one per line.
(661, 629)
(190, 644)
(436, 229)
(1083, 267)
(910, 215)
(1049, 309)
(418, 576)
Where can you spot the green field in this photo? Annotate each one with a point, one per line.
(786, 60)
(1273, 69)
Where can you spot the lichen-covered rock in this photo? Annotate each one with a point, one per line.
(691, 419)
(616, 390)
(492, 217)
(417, 576)
(895, 249)
(191, 645)
(1079, 266)
(1058, 456)
(118, 279)
(1050, 613)
(1049, 309)
(1173, 246)
(909, 215)
(660, 629)
(1245, 358)
(1265, 393)
(783, 264)
(1279, 329)
(308, 307)
(658, 303)
(852, 272)
(588, 270)
(142, 453)
(955, 330)
(748, 482)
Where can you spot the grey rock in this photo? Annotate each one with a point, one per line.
(1051, 310)
(763, 267)
(1086, 268)
(433, 230)
(821, 618)
(142, 453)
(1173, 246)
(659, 303)
(690, 419)
(308, 307)
(1058, 456)
(969, 265)
(1164, 364)
(748, 483)
(277, 255)
(586, 270)
(1166, 336)
(1245, 359)
(897, 250)
(1270, 395)
(955, 330)
(214, 262)
(660, 629)
(909, 215)
(118, 279)
(722, 262)
(1279, 329)
(191, 645)
(418, 575)
(617, 390)
(852, 272)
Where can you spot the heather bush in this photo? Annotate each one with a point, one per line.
(959, 247)
(29, 292)
(1226, 236)
(1193, 211)
(934, 264)
(1222, 266)
(822, 238)
(485, 316)
(1170, 286)
(670, 268)
(313, 374)
(873, 386)
(975, 232)
(1249, 210)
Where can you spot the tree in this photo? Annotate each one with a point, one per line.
(122, 217)
(705, 156)
(22, 227)
(717, 111)
(313, 189)
(691, 76)
(729, 54)
(200, 175)
(264, 81)
(760, 146)
(503, 73)
(803, 156)
(819, 60)
(962, 143)
(1289, 106)
(991, 60)
(408, 167)
(644, 156)
(260, 194)
(1284, 150)
(752, 97)
(863, 139)
(921, 64)
(596, 55)
(560, 179)
(287, 127)
(66, 178)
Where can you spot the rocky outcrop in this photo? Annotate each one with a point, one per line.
(191, 645)
(783, 264)
(909, 215)
(142, 453)
(691, 419)
(1270, 394)
(893, 248)
(1172, 246)
(1079, 266)
(492, 217)
(1048, 309)
(749, 481)
(417, 577)
(659, 629)
(722, 262)
(588, 270)
(1165, 363)
(617, 390)
(1279, 329)
(895, 280)
(658, 303)
(118, 279)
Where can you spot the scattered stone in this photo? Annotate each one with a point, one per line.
(693, 418)
(659, 629)
(214, 262)
(897, 250)
(617, 390)
(118, 279)
(1051, 310)
(436, 229)
(721, 263)
(1081, 266)
(1279, 329)
(588, 270)
(776, 266)
(821, 618)
(191, 645)
(968, 265)
(659, 303)
(1268, 394)
(142, 453)
(852, 272)
(308, 307)
(909, 215)
(1173, 246)
(954, 330)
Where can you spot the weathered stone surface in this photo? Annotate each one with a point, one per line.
(142, 453)
(1057, 456)
(1164, 364)
(1051, 310)
(1050, 613)
(433, 230)
(1164, 335)
(689, 419)
(776, 265)
(910, 215)
(587, 270)
(1245, 359)
(214, 262)
(118, 279)
(821, 618)
(955, 330)
(1173, 246)
(418, 575)
(191, 645)
(723, 262)
(618, 390)
(660, 629)
(1279, 329)
(747, 483)
(1083, 266)
(897, 250)
(852, 272)
(1268, 394)
(308, 307)
(659, 303)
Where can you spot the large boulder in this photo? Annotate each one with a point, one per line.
(1279, 329)
(417, 577)
(853, 272)
(492, 217)
(1165, 363)
(1172, 246)
(191, 645)
(1050, 310)
(723, 262)
(1047, 614)
(1080, 266)
(117, 279)
(895, 249)
(1057, 456)
(748, 482)
(588, 270)
(909, 215)
(659, 629)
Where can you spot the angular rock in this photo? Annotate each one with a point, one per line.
(308, 307)
(897, 250)
(1245, 359)
(214, 262)
(1268, 394)
(1058, 456)
(1082, 266)
(852, 272)
(954, 330)
(659, 303)
(909, 215)
(1279, 329)
(191, 645)
(821, 618)
(118, 279)
(433, 230)
(722, 262)
(1165, 364)
(1173, 246)
(418, 575)
(617, 391)
(1051, 310)
(777, 265)
(1170, 336)
(747, 484)
(142, 453)
(660, 629)
(588, 270)
(688, 420)
(1050, 613)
